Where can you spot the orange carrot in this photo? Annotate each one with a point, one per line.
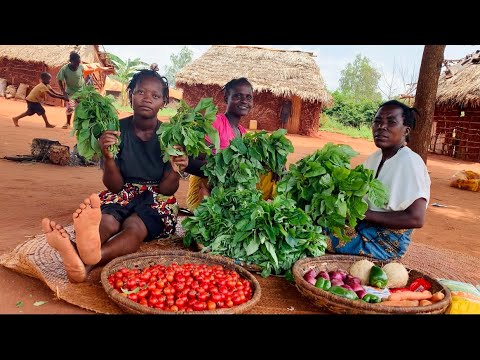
(437, 296)
(410, 295)
(400, 303)
(425, 302)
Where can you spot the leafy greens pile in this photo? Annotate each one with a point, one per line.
(238, 224)
(239, 165)
(324, 185)
(93, 115)
(188, 127)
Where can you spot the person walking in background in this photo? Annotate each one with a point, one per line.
(70, 79)
(35, 98)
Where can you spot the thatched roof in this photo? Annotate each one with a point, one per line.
(51, 55)
(282, 72)
(460, 83)
(175, 93)
(112, 84)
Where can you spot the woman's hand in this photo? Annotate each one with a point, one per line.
(109, 137)
(180, 162)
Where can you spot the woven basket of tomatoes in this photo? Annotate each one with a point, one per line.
(179, 282)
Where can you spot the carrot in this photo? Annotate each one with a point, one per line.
(437, 296)
(410, 295)
(425, 302)
(399, 303)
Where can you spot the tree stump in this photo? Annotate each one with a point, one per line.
(59, 154)
(40, 147)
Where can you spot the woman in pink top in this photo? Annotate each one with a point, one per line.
(238, 94)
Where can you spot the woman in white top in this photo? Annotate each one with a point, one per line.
(385, 232)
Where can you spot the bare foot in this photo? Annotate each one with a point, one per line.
(86, 220)
(50, 126)
(15, 121)
(66, 126)
(58, 238)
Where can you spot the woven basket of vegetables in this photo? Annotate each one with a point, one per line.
(335, 298)
(165, 273)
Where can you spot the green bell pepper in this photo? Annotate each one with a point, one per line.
(378, 277)
(345, 293)
(323, 284)
(372, 299)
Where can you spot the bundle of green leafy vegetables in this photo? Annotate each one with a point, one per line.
(93, 115)
(330, 192)
(188, 128)
(239, 165)
(270, 149)
(238, 224)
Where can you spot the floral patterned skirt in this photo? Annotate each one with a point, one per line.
(157, 211)
(371, 240)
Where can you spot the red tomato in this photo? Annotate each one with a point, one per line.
(199, 306)
(133, 297)
(211, 305)
(118, 284)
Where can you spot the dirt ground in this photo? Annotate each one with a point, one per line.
(32, 191)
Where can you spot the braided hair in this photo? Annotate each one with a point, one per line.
(233, 83)
(409, 114)
(148, 73)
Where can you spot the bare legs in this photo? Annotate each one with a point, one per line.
(47, 124)
(86, 220)
(44, 116)
(58, 238)
(67, 124)
(99, 238)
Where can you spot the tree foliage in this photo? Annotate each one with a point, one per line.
(359, 80)
(349, 112)
(178, 61)
(125, 70)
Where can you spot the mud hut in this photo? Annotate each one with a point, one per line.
(456, 122)
(24, 63)
(112, 87)
(276, 75)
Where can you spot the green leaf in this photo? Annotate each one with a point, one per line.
(19, 304)
(134, 291)
(39, 303)
(252, 246)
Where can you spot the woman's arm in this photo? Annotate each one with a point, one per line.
(112, 177)
(171, 178)
(410, 218)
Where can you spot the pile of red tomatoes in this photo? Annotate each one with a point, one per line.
(185, 287)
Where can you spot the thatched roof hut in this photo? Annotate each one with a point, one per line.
(24, 63)
(460, 83)
(276, 76)
(456, 122)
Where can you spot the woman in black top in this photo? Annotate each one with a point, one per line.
(138, 204)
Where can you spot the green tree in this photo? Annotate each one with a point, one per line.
(360, 80)
(178, 61)
(124, 71)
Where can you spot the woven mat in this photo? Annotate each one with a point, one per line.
(37, 259)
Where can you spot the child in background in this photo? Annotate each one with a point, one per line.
(35, 98)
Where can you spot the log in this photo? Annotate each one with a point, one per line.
(40, 147)
(59, 154)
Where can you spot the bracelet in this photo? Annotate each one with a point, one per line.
(183, 174)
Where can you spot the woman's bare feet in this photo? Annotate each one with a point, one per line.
(58, 238)
(15, 121)
(50, 126)
(86, 220)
